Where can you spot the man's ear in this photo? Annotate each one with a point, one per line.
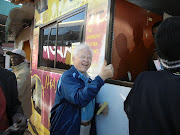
(73, 59)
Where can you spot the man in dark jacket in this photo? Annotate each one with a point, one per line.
(75, 96)
(152, 105)
(11, 114)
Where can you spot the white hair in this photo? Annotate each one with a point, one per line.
(81, 47)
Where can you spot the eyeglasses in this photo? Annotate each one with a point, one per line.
(86, 58)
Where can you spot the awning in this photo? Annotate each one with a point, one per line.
(18, 19)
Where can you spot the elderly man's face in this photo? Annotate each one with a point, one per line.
(16, 59)
(83, 60)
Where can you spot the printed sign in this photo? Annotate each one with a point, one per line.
(35, 48)
(96, 34)
(47, 10)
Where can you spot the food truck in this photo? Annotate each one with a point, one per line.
(117, 31)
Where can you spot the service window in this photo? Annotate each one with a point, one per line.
(67, 36)
(56, 41)
(48, 46)
(133, 42)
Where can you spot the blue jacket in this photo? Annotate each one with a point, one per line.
(71, 96)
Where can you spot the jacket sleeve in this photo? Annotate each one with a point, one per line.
(15, 106)
(130, 101)
(22, 82)
(75, 93)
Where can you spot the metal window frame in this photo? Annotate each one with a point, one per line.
(56, 22)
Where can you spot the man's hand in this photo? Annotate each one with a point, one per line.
(107, 71)
(105, 110)
(9, 130)
(19, 121)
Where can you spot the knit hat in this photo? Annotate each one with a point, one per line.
(167, 40)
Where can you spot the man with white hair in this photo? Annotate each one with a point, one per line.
(73, 111)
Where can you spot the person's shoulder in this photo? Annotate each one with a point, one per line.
(69, 71)
(72, 72)
(150, 73)
(25, 65)
(5, 71)
(23, 68)
(26, 68)
(148, 76)
(66, 73)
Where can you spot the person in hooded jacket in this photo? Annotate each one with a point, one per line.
(152, 106)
